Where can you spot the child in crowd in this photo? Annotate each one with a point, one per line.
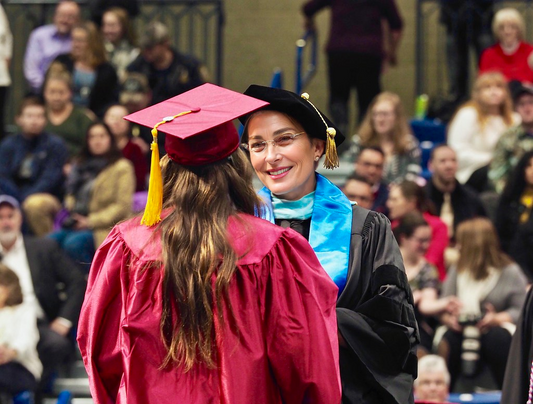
(19, 362)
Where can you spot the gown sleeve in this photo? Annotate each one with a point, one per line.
(376, 318)
(100, 318)
(517, 372)
(300, 322)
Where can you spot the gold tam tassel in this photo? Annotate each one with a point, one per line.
(332, 159)
(154, 203)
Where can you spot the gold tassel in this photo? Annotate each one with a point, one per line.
(154, 204)
(332, 159)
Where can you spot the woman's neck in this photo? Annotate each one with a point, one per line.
(122, 141)
(82, 64)
(57, 117)
(510, 48)
(493, 110)
(409, 258)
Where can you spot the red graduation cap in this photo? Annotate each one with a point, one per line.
(199, 129)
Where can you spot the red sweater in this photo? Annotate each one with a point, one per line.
(513, 67)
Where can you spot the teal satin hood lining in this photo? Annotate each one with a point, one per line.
(331, 228)
(302, 209)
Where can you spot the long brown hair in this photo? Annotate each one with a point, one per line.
(412, 191)
(400, 138)
(196, 249)
(95, 52)
(506, 107)
(480, 248)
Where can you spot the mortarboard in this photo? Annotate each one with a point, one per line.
(315, 123)
(199, 129)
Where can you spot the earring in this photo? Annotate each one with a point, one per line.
(317, 158)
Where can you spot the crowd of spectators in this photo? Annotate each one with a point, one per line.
(74, 168)
(464, 230)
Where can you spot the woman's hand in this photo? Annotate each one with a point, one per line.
(450, 321)
(452, 305)
(6, 354)
(82, 222)
(492, 319)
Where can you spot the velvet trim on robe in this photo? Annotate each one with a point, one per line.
(331, 226)
(283, 302)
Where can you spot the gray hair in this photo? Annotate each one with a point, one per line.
(433, 363)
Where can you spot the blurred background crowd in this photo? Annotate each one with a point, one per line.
(456, 180)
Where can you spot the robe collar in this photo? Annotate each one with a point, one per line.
(331, 228)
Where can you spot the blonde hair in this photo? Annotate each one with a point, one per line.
(480, 248)
(400, 138)
(508, 15)
(506, 107)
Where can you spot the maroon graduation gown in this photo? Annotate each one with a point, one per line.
(284, 304)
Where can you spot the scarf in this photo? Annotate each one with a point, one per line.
(331, 227)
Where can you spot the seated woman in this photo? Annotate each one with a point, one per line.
(121, 130)
(407, 197)
(95, 80)
(64, 118)
(511, 56)
(385, 126)
(99, 194)
(119, 39)
(492, 290)
(478, 124)
(20, 367)
(514, 221)
(413, 235)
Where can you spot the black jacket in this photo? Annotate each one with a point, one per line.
(375, 315)
(516, 238)
(58, 283)
(183, 74)
(517, 371)
(465, 202)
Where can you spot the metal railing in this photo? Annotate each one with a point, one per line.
(430, 53)
(304, 77)
(196, 28)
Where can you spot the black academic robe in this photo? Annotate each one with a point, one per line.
(375, 316)
(518, 369)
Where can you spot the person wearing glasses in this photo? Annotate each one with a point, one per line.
(377, 330)
(385, 126)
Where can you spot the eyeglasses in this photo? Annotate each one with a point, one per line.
(283, 140)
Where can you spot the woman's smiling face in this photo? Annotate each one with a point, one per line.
(288, 171)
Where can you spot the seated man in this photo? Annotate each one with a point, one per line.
(169, 72)
(454, 202)
(369, 164)
(50, 282)
(49, 41)
(359, 190)
(433, 382)
(31, 166)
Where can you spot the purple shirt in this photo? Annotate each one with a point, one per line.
(44, 45)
